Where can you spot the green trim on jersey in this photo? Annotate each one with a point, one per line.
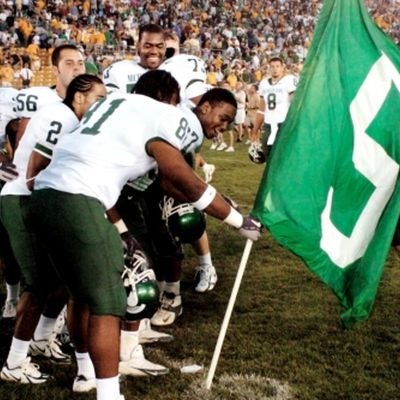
(44, 151)
(192, 81)
(112, 85)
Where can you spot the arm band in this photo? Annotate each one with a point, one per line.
(205, 199)
(260, 112)
(234, 218)
(121, 227)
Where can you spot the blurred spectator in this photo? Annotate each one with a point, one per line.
(6, 73)
(220, 32)
(26, 75)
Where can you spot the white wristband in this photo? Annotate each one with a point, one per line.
(205, 199)
(121, 227)
(234, 218)
(260, 112)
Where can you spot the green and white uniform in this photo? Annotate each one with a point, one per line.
(30, 100)
(44, 127)
(190, 72)
(41, 134)
(122, 76)
(277, 101)
(7, 110)
(84, 179)
(109, 147)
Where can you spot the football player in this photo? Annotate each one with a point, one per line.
(16, 108)
(190, 72)
(67, 63)
(134, 134)
(13, 210)
(276, 92)
(44, 129)
(8, 172)
(123, 75)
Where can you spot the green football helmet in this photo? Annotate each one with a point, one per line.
(183, 220)
(140, 283)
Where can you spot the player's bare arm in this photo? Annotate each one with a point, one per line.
(180, 180)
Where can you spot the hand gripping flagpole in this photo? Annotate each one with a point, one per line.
(228, 313)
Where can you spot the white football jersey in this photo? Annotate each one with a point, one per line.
(42, 133)
(277, 97)
(32, 99)
(122, 76)
(190, 72)
(143, 182)
(109, 147)
(7, 110)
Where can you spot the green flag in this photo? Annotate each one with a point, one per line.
(329, 192)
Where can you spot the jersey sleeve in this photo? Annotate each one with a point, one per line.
(190, 72)
(52, 126)
(291, 82)
(180, 129)
(110, 79)
(261, 88)
(7, 110)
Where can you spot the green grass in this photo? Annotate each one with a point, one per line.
(284, 339)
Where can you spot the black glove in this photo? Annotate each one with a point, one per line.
(131, 245)
(133, 251)
(251, 228)
(8, 171)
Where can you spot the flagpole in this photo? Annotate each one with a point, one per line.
(228, 313)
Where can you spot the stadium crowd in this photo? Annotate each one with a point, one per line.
(232, 37)
(234, 46)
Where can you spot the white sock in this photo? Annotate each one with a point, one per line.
(205, 259)
(161, 285)
(173, 287)
(18, 352)
(85, 365)
(108, 388)
(12, 292)
(129, 340)
(44, 328)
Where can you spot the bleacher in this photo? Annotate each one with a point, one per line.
(43, 77)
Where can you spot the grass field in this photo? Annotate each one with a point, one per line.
(284, 340)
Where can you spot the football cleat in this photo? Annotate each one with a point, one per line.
(149, 335)
(137, 365)
(222, 146)
(83, 385)
(61, 332)
(205, 278)
(256, 153)
(9, 309)
(26, 373)
(183, 220)
(170, 309)
(49, 349)
(208, 170)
